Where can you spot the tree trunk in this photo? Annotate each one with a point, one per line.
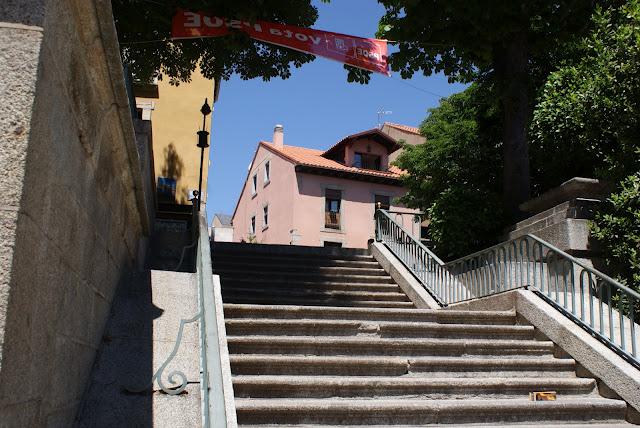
(512, 72)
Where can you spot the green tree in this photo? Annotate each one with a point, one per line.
(587, 118)
(482, 40)
(455, 176)
(587, 121)
(617, 228)
(144, 29)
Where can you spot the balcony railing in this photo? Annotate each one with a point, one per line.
(605, 308)
(332, 220)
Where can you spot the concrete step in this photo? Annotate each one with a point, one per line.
(266, 299)
(266, 284)
(276, 251)
(378, 278)
(383, 387)
(389, 329)
(568, 424)
(379, 366)
(295, 269)
(313, 294)
(235, 260)
(352, 346)
(419, 411)
(379, 314)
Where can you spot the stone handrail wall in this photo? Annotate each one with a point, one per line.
(73, 213)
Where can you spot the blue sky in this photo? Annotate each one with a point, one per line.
(316, 105)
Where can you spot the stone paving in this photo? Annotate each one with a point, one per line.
(140, 335)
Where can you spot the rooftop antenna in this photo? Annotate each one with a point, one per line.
(381, 114)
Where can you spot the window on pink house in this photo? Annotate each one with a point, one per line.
(265, 216)
(333, 200)
(267, 172)
(254, 184)
(383, 200)
(366, 161)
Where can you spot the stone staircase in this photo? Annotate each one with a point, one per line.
(325, 337)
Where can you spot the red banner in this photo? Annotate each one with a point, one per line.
(369, 54)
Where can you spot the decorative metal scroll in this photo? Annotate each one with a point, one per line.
(177, 385)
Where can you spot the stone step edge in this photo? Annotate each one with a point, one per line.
(269, 267)
(367, 341)
(439, 312)
(318, 293)
(321, 405)
(420, 412)
(319, 261)
(335, 302)
(552, 424)
(377, 327)
(293, 274)
(304, 284)
(409, 362)
(380, 384)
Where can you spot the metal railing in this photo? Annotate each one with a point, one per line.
(607, 309)
(411, 221)
(215, 385)
(425, 265)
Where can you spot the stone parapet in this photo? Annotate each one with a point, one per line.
(73, 210)
(577, 187)
(565, 226)
(561, 216)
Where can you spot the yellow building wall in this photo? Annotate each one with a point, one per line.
(175, 119)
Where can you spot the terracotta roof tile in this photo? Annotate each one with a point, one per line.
(312, 157)
(410, 129)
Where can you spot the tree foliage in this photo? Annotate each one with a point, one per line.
(144, 29)
(587, 122)
(618, 230)
(587, 118)
(485, 39)
(466, 39)
(455, 175)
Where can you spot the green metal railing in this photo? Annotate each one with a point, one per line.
(213, 383)
(605, 308)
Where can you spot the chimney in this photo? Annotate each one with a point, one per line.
(278, 136)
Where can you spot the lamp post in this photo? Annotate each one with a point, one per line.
(203, 143)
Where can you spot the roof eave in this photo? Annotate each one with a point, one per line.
(351, 175)
(391, 145)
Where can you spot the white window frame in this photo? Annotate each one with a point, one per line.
(267, 173)
(342, 190)
(252, 225)
(254, 184)
(265, 225)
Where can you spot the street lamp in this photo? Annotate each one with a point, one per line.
(203, 143)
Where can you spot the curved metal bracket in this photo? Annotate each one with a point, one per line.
(177, 386)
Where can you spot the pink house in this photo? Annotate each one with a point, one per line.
(295, 195)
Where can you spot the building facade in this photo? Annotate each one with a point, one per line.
(221, 229)
(407, 134)
(174, 112)
(300, 196)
